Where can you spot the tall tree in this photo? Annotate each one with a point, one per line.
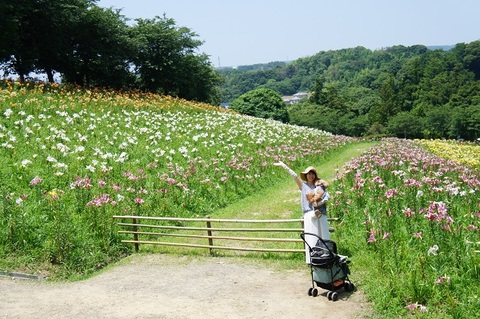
(18, 39)
(166, 60)
(319, 96)
(8, 26)
(54, 27)
(388, 106)
(100, 50)
(198, 81)
(472, 58)
(472, 122)
(405, 125)
(262, 103)
(34, 33)
(437, 122)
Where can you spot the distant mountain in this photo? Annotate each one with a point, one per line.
(254, 67)
(441, 47)
(262, 66)
(400, 90)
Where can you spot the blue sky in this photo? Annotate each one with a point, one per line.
(261, 31)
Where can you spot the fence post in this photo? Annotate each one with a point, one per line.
(209, 233)
(135, 235)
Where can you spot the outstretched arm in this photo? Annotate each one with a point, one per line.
(297, 180)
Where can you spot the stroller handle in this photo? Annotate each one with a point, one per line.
(315, 235)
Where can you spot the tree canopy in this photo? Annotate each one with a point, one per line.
(262, 103)
(92, 46)
(396, 91)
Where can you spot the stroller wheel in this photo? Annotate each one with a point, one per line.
(349, 286)
(313, 292)
(334, 296)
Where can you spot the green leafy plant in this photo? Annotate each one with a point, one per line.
(72, 159)
(411, 220)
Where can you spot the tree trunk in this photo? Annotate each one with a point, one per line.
(49, 72)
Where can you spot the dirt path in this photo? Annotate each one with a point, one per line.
(164, 286)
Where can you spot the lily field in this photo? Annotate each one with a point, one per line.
(412, 219)
(69, 160)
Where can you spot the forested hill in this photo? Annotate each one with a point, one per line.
(404, 91)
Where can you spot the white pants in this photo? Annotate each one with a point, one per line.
(316, 225)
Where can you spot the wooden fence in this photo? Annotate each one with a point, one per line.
(204, 233)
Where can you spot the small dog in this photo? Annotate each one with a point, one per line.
(318, 192)
(316, 195)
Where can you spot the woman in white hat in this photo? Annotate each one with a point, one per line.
(315, 216)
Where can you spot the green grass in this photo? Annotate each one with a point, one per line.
(72, 159)
(68, 170)
(280, 201)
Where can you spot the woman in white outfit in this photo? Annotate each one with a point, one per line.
(315, 216)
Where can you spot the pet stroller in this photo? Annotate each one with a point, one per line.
(328, 269)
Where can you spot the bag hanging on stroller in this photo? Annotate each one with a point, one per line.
(328, 269)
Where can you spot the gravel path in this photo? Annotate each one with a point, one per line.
(165, 286)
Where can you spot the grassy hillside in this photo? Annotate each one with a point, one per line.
(69, 160)
(72, 159)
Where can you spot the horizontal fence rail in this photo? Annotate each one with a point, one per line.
(150, 230)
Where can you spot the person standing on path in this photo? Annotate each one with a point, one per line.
(313, 223)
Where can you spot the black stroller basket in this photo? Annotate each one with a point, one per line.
(323, 254)
(328, 269)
